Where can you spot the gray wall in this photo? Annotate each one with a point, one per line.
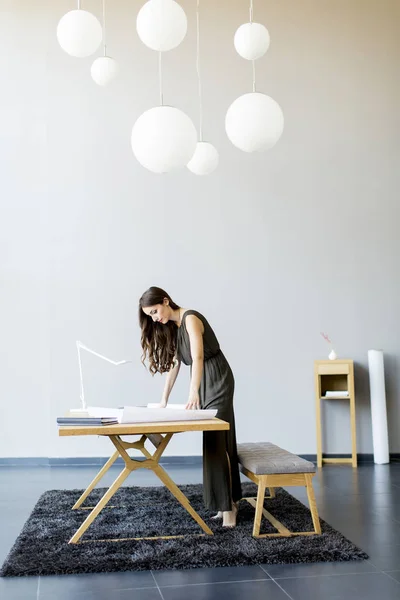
(272, 248)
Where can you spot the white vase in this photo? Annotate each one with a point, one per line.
(332, 355)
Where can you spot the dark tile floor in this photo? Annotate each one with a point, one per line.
(364, 504)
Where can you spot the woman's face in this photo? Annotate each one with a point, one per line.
(159, 312)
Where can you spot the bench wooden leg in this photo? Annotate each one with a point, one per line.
(259, 507)
(312, 503)
(280, 480)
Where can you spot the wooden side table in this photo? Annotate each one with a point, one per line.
(335, 376)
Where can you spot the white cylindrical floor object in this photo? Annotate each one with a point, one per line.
(378, 407)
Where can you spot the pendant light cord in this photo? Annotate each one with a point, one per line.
(198, 72)
(253, 61)
(160, 81)
(104, 27)
(79, 4)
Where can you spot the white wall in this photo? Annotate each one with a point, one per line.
(272, 248)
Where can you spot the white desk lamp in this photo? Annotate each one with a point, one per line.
(80, 347)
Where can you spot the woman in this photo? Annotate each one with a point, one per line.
(171, 335)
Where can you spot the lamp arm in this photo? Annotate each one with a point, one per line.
(80, 347)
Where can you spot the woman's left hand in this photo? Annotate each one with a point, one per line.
(194, 401)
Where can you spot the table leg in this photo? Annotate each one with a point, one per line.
(100, 505)
(130, 465)
(180, 496)
(171, 485)
(137, 445)
(96, 480)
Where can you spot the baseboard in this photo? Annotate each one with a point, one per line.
(361, 458)
(83, 461)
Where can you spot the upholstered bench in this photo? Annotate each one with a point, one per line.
(269, 467)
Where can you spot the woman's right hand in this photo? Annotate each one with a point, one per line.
(163, 404)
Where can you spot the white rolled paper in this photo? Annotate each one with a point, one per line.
(380, 437)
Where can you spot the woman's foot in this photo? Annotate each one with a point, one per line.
(229, 516)
(219, 515)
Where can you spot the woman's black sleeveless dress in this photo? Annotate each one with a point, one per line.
(221, 479)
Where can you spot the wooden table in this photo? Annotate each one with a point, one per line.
(159, 435)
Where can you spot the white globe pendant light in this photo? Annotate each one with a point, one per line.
(161, 24)
(104, 68)
(205, 159)
(79, 33)
(251, 41)
(163, 139)
(254, 122)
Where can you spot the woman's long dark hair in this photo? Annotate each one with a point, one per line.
(158, 341)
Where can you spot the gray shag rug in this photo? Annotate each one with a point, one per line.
(42, 547)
